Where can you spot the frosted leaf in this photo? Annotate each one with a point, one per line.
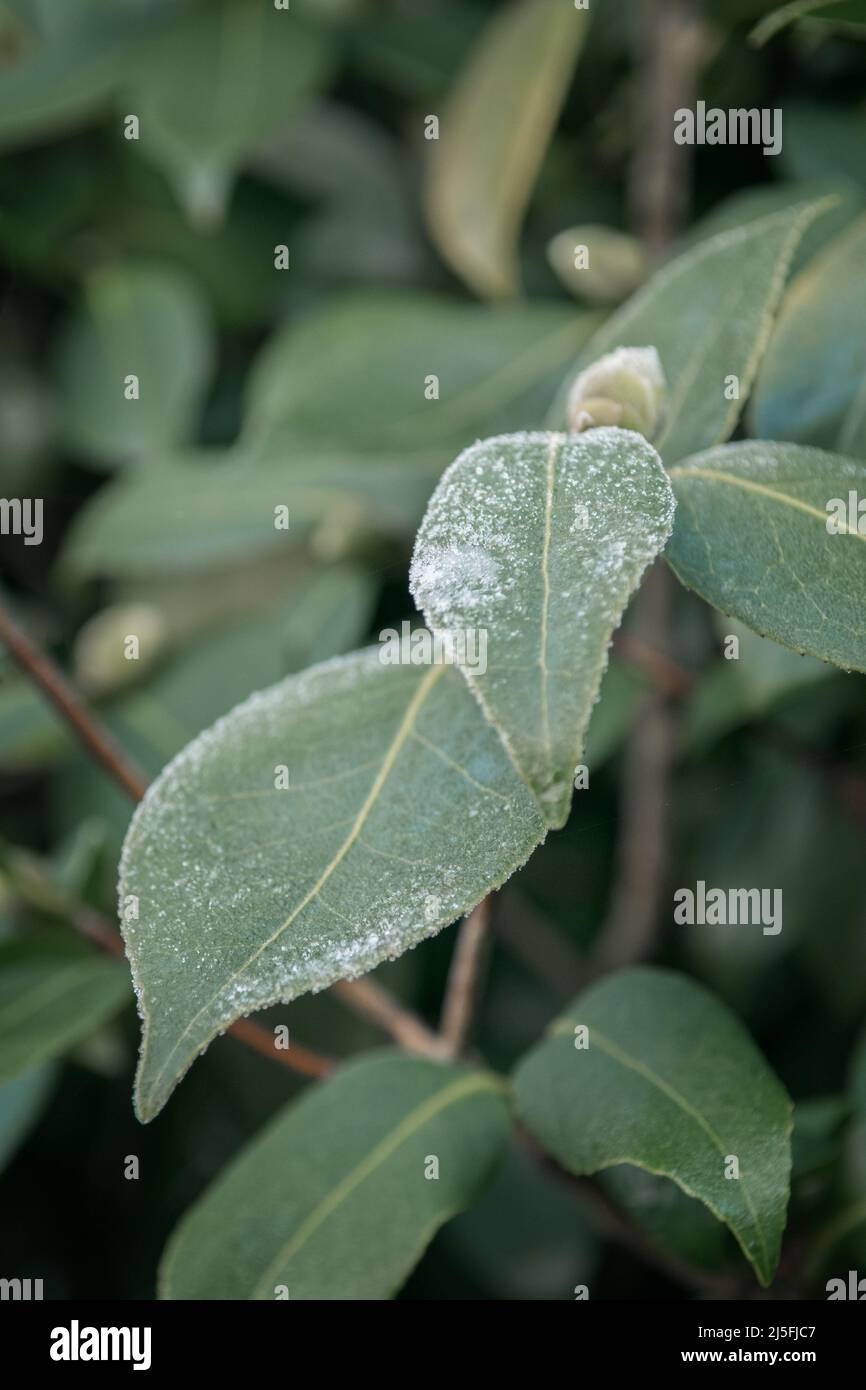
(539, 540)
(402, 811)
(407, 799)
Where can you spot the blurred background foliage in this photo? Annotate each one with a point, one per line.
(304, 387)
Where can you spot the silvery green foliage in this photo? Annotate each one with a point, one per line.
(192, 91)
(402, 811)
(156, 318)
(540, 539)
(408, 800)
(371, 464)
(416, 789)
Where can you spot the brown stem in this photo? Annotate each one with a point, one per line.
(371, 1001)
(670, 40)
(53, 684)
(542, 948)
(365, 998)
(466, 978)
(299, 1059)
(666, 676)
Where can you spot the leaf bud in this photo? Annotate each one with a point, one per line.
(625, 388)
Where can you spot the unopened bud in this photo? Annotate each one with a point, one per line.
(625, 388)
(115, 646)
(598, 264)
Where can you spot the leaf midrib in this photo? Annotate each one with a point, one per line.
(714, 475)
(634, 1064)
(391, 754)
(452, 1093)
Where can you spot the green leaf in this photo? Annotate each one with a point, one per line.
(846, 16)
(335, 1210)
(539, 540)
(211, 673)
(200, 507)
(494, 132)
(763, 199)
(708, 313)
(819, 1132)
(21, 1103)
(360, 867)
(364, 224)
(497, 369)
(233, 263)
(671, 1083)
(371, 462)
(63, 82)
(416, 52)
(852, 431)
(62, 22)
(737, 690)
(53, 992)
(323, 618)
(402, 811)
(751, 537)
(146, 321)
(31, 732)
(214, 83)
(816, 360)
(616, 263)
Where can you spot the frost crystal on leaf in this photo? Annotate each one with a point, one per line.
(402, 812)
(540, 539)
